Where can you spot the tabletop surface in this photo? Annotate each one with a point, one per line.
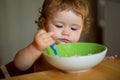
(106, 70)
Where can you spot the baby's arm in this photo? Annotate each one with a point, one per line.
(25, 58)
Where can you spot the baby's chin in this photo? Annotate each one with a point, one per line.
(61, 42)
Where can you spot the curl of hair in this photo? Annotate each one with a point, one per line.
(79, 7)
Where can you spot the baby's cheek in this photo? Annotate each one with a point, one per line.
(57, 34)
(75, 38)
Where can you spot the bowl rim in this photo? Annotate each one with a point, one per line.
(101, 52)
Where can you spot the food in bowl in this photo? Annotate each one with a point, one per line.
(76, 57)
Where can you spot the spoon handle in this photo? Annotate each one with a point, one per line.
(54, 49)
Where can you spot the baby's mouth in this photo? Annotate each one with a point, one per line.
(64, 41)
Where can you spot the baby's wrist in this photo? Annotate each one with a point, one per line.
(35, 46)
(34, 50)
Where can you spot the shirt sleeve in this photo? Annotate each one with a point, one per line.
(4, 72)
(1, 73)
(10, 70)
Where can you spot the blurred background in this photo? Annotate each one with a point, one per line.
(17, 25)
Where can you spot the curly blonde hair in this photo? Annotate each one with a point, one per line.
(79, 7)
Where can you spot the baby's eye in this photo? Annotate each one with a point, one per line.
(59, 26)
(74, 29)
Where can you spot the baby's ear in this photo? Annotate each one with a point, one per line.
(44, 24)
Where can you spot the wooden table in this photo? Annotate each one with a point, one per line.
(106, 70)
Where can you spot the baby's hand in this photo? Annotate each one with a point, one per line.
(42, 40)
(111, 57)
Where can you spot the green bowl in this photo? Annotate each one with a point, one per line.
(76, 49)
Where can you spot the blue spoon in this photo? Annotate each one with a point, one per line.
(54, 49)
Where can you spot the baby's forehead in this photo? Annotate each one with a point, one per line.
(66, 12)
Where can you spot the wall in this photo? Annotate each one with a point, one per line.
(112, 28)
(17, 26)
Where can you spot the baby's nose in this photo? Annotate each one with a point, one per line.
(66, 32)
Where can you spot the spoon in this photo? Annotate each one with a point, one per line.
(54, 49)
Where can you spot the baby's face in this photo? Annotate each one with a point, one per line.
(66, 26)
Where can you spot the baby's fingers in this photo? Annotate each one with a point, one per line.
(43, 39)
(111, 57)
(43, 34)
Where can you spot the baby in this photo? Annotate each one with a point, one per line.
(61, 21)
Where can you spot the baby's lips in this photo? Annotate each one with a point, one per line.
(65, 40)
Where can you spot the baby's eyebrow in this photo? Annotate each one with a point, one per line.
(77, 25)
(57, 21)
